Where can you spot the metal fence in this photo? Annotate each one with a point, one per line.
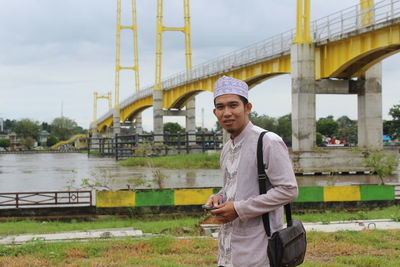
(124, 146)
(49, 199)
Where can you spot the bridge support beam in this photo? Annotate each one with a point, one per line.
(138, 124)
(303, 96)
(370, 128)
(116, 129)
(191, 119)
(158, 113)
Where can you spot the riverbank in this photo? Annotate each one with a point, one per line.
(190, 161)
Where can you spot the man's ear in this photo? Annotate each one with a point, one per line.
(215, 110)
(248, 107)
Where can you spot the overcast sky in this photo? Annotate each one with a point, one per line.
(55, 53)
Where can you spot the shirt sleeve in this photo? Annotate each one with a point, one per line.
(281, 175)
(221, 192)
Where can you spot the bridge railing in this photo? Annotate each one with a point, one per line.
(124, 146)
(265, 49)
(352, 19)
(47, 198)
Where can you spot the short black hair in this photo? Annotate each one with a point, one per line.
(244, 100)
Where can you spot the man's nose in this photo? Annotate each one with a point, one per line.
(227, 112)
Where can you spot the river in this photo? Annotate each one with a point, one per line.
(63, 171)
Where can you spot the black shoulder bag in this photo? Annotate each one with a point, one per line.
(286, 247)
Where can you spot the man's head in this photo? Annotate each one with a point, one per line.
(231, 104)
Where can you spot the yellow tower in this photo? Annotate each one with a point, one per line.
(303, 22)
(158, 111)
(159, 31)
(97, 97)
(118, 66)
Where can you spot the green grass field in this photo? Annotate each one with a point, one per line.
(347, 248)
(367, 248)
(173, 224)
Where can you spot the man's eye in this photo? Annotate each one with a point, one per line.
(220, 107)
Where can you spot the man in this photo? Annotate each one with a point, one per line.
(242, 237)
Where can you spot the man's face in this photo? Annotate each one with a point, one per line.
(231, 113)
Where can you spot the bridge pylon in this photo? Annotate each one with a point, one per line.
(367, 86)
(159, 112)
(133, 27)
(302, 61)
(369, 97)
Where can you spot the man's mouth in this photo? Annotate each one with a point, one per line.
(228, 122)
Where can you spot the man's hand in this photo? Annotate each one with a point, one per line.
(225, 212)
(213, 201)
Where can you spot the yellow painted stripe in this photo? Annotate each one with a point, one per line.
(191, 196)
(112, 199)
(342, 193)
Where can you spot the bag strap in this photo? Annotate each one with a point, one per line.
(265, 185)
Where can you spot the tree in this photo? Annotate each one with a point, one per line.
(345, 121)
(27, 128)
(327, 126)
(4, 143)
(381, 164)
(263, 121)
(29, 142)
(63, 128)
(52, 140)
(284, 128)
(46, 127)
(392, 127)
(173, 128)
(347, 130)
(9, 125)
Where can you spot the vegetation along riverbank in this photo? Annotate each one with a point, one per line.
(191, 161)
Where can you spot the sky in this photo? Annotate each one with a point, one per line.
(54, 54)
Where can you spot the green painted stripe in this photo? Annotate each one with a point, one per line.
(310, 194)
(377, 192)
(216, 190)
(152, 198)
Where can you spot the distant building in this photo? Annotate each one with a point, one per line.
(1, 125)
(43, 136)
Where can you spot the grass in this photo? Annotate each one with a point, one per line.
(167, 225)
(392, 212)
(347, 248)
(174, 224)
(191, 161)
(160, 251)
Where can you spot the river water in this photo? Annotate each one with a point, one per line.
(64, 171)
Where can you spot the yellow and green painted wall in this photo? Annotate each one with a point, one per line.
(190, 197)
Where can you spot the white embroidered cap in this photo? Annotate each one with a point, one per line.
(228, 85)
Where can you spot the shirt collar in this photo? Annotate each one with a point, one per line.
(241, 136)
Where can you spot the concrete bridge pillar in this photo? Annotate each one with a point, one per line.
(191, 119)
(158, 113)
(138, 124)
(116, 129)
(303, 96)
(370, 128)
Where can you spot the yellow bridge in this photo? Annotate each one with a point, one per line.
(344, 46)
